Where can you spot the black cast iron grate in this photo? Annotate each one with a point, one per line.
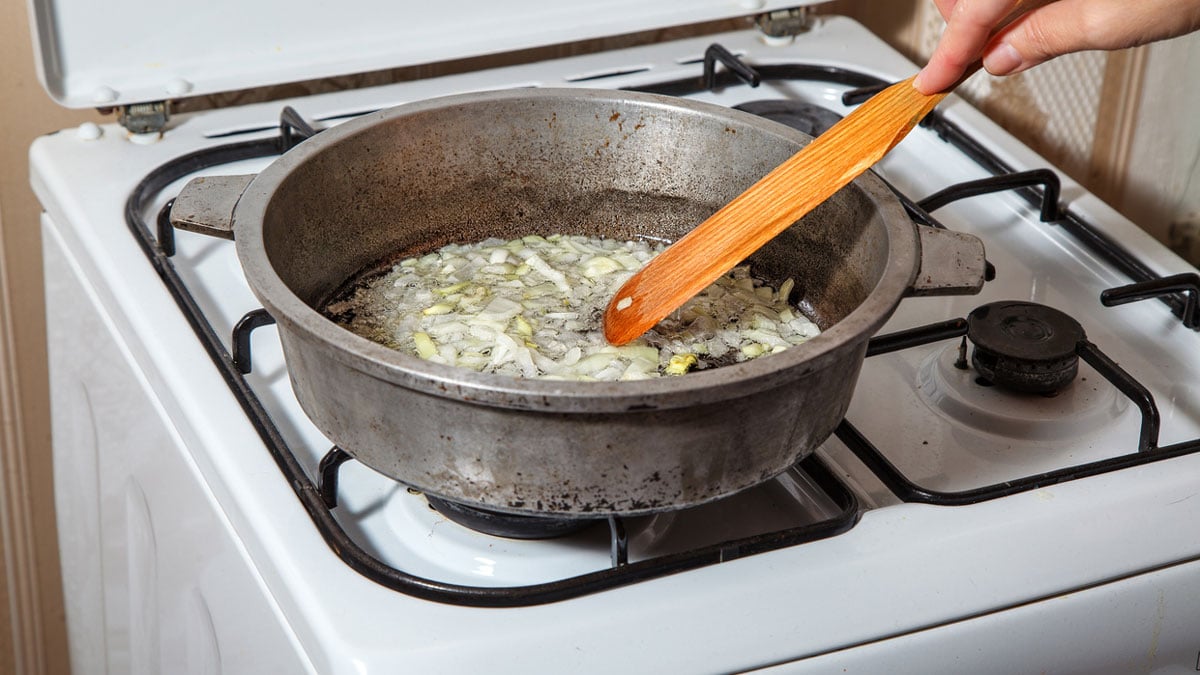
(319, 498)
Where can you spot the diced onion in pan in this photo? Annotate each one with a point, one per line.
(533, 307)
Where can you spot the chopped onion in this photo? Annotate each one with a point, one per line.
(532, 307)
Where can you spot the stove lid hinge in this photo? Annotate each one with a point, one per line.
(785, 23)
(145, 118)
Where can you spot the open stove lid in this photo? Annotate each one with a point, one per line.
(117, 52)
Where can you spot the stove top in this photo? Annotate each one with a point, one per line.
(946, 430)
(937, 468)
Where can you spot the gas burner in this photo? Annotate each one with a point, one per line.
(1024, 346)
(811, 119)
(508, 525)
(1002, 415)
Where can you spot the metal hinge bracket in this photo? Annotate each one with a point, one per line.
(783, 23)
(145, 118)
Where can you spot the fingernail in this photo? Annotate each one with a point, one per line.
(918, 81)
(1002, 60)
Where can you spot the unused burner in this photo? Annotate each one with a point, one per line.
(1024, 346)
(508, 525)
(811, 119)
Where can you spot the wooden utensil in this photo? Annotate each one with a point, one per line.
(767, 208)
(779, 199)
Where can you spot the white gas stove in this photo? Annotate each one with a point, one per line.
(952, 524)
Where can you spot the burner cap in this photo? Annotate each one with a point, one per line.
(1024, 346)
(811, 119)
(509, 525)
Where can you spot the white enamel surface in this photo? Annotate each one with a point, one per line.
(155, 580)
(125, 51)
(902, 569)
(1139, 625)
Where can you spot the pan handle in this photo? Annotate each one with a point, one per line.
(952, 263)
(206, 204)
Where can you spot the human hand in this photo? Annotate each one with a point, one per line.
(975, 30)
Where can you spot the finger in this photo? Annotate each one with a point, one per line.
(968, 30)
(1075, 25)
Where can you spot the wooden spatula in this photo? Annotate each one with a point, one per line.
(776, 201)
(767, 208)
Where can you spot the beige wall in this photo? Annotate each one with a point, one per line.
(35, 643)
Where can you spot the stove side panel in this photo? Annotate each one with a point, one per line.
(1141, 624)
(154, 580)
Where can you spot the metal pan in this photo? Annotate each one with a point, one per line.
(411, 179)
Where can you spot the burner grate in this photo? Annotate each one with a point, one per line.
(1147, 449)
(319, 499)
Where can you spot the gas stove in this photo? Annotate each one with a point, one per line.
(1016, 468)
